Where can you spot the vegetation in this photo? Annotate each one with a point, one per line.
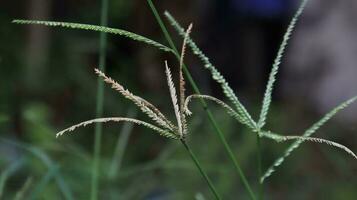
(180, 129)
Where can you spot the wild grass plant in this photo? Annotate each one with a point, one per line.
(179, 130)
(241, 113)
(163, 125)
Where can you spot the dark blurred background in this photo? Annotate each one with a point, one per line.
(47, 84)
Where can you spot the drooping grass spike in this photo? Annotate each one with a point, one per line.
(167, 129)
(281, 138)
(162, 132)
(116, 31)
(229, 109)
(307, 133)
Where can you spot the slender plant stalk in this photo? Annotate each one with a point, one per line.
(20, 195)
(203, 173)
(99, 105)
(260, 168)
(203, 102)
(121, 145)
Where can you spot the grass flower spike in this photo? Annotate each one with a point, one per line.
(163, 126)
(241, 114)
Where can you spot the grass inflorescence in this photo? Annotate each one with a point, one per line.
(178, 130)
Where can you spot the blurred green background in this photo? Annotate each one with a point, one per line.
(47, 83)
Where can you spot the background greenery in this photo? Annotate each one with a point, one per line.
(48, 83)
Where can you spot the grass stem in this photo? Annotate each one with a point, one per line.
(260, 169)
(203, 173)
(121, 145)
(203, 102)
(99, 104)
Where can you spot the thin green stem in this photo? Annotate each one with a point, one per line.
(203, 102)
(121, 145)
(203, 173)
(260, 172)
(99, 105)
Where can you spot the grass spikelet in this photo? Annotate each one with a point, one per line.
(116, 31)
(144, 106)
(281, 138)
(162, 132)
(307, 133)
(174, 98)
(157, 111)
(216, 75)
(185, 40)
(241, 113)
(229, 109)
(272, 77)
(168, 129)
(320, 140)
(182, 81)
(203, 103)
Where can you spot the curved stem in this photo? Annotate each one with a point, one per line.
(203, 102)
(203, 173)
